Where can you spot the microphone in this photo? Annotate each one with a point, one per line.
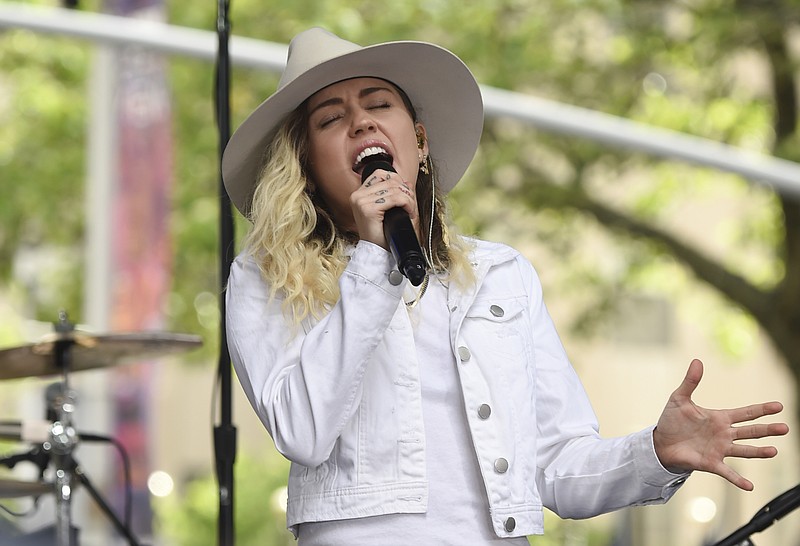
(397, 228)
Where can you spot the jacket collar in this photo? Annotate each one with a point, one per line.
(489, 254)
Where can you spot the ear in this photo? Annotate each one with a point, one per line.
(422, 138)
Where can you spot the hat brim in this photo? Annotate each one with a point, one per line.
(440, 86)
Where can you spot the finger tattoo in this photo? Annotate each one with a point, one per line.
(382, 192)
(380, 201)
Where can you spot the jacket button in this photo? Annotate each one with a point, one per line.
(395, 277)
(484, 411)
(500, 465)
(510, 525)
(464, 354)
(497, 311)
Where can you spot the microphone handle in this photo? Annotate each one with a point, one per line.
(397, 228)
(404, 245)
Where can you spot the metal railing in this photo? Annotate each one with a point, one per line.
(547, 115)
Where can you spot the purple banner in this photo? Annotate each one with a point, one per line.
(141, 261)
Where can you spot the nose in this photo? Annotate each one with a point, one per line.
(362, 123)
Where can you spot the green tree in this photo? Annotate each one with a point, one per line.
(674, 64)
(682, 65)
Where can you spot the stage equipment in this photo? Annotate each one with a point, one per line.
(224, 431)
(65, 351)
(89, 351)
(769, 514)
(13, 489)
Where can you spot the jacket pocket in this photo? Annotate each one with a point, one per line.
(496, 310)
(500, 326)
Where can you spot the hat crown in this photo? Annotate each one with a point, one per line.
(439, 85)
(311, 48)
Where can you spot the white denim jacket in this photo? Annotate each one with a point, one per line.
(341, 399)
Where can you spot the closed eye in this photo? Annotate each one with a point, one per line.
(327, 120)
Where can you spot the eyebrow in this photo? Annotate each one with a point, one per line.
(365, 92)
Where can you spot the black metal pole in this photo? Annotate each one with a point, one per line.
(769, 514)
(106, 509)
(224, 432)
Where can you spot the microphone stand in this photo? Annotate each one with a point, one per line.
(769, 514)
(224, 432)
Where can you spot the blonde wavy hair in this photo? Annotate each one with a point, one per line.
(299, 249)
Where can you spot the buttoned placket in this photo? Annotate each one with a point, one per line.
(458, 307)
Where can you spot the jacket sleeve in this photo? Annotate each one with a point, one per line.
(306, 386)
(579, 474)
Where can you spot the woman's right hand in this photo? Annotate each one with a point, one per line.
(381, 191)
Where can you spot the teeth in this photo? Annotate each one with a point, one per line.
(373, 150)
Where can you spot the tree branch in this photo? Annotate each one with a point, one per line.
(733, 286)
(773, 32)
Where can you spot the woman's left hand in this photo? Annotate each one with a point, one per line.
(689, 437)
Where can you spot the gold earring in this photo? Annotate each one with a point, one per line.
(423, 166)
(420, 140)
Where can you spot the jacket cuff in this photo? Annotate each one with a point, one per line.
(651, 470)
(376, 266)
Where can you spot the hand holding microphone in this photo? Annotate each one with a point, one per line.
(397, 228)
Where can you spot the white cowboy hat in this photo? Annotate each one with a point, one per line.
(441, 88)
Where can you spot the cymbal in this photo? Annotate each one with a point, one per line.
(88, 351)
(10, 489)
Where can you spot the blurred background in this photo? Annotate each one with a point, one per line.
(109, 211)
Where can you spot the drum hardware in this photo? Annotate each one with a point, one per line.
(61, 353)
(16, 488)
(35, 432)
(42, 455)
(12, 489)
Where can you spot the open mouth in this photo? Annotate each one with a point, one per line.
(371, 154)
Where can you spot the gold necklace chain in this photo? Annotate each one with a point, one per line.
(413, 303)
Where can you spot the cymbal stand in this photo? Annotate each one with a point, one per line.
(118, 525)
(63, 439)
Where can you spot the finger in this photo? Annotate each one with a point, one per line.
(752, 452)
(750, 432)
(376, 184)
(372, 179)
(391, 196)
(739, 481)
(376, 177)
(754, 411)
(382, 180)
(690, 381)
(732, 476)
(395, 196)
(380, 176)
